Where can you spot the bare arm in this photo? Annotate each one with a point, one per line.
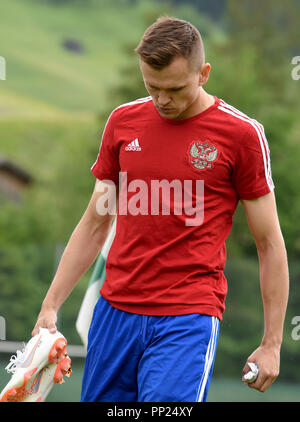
(274, 283)
(81, 251)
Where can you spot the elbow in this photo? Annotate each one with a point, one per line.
(98, 226)
(101, 227)
(272, 245)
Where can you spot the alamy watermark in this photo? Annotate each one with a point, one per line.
(296, 330)
(2, 328)
(2, 69)
(159, 197)
(296, 70)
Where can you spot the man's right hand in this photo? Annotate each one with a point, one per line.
(47, 319)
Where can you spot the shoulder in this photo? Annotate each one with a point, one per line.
(251, 132)
(131, 109)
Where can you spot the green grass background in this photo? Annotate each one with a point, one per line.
(42, 78)
(221, 389)
(48, 111)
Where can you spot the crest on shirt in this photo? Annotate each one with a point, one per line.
(202, 155)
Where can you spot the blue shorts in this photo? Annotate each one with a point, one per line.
(142, 358)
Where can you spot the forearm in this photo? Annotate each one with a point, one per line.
(81, 251)
(274, 282)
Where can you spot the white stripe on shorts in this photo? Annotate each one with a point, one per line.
(209, 358)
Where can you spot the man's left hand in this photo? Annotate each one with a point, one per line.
(268, 360)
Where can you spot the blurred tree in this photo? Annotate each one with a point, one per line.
(31, 231)
(214, 8)
(131, 85)
(61, 2)
(271, 27)
(252, 74)
(251, 70)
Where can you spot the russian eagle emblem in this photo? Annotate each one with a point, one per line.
(202, 155)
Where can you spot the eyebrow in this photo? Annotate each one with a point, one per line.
(175, 88)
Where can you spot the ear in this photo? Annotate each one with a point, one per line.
(204, 73)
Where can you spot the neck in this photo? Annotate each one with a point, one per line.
(204, 101)
(201, 103)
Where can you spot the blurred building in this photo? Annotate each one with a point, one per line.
(13, 180)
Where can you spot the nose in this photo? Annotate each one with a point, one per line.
(163, 99)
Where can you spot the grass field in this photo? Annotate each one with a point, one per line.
(221, 390)
(42, 77)
(48, 108)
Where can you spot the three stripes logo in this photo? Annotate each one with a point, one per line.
(133, 146)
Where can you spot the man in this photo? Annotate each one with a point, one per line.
(155, 327)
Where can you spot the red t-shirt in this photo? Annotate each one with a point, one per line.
(158, 264)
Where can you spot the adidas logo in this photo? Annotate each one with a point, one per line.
(133, 146)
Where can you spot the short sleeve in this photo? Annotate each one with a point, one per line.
(106, 166)
(252, 176)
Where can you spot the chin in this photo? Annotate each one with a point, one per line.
(172, 114)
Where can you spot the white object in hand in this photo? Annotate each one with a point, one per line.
(251, 375)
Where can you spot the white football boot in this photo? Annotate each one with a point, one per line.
(27, 365)
(44, 381)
